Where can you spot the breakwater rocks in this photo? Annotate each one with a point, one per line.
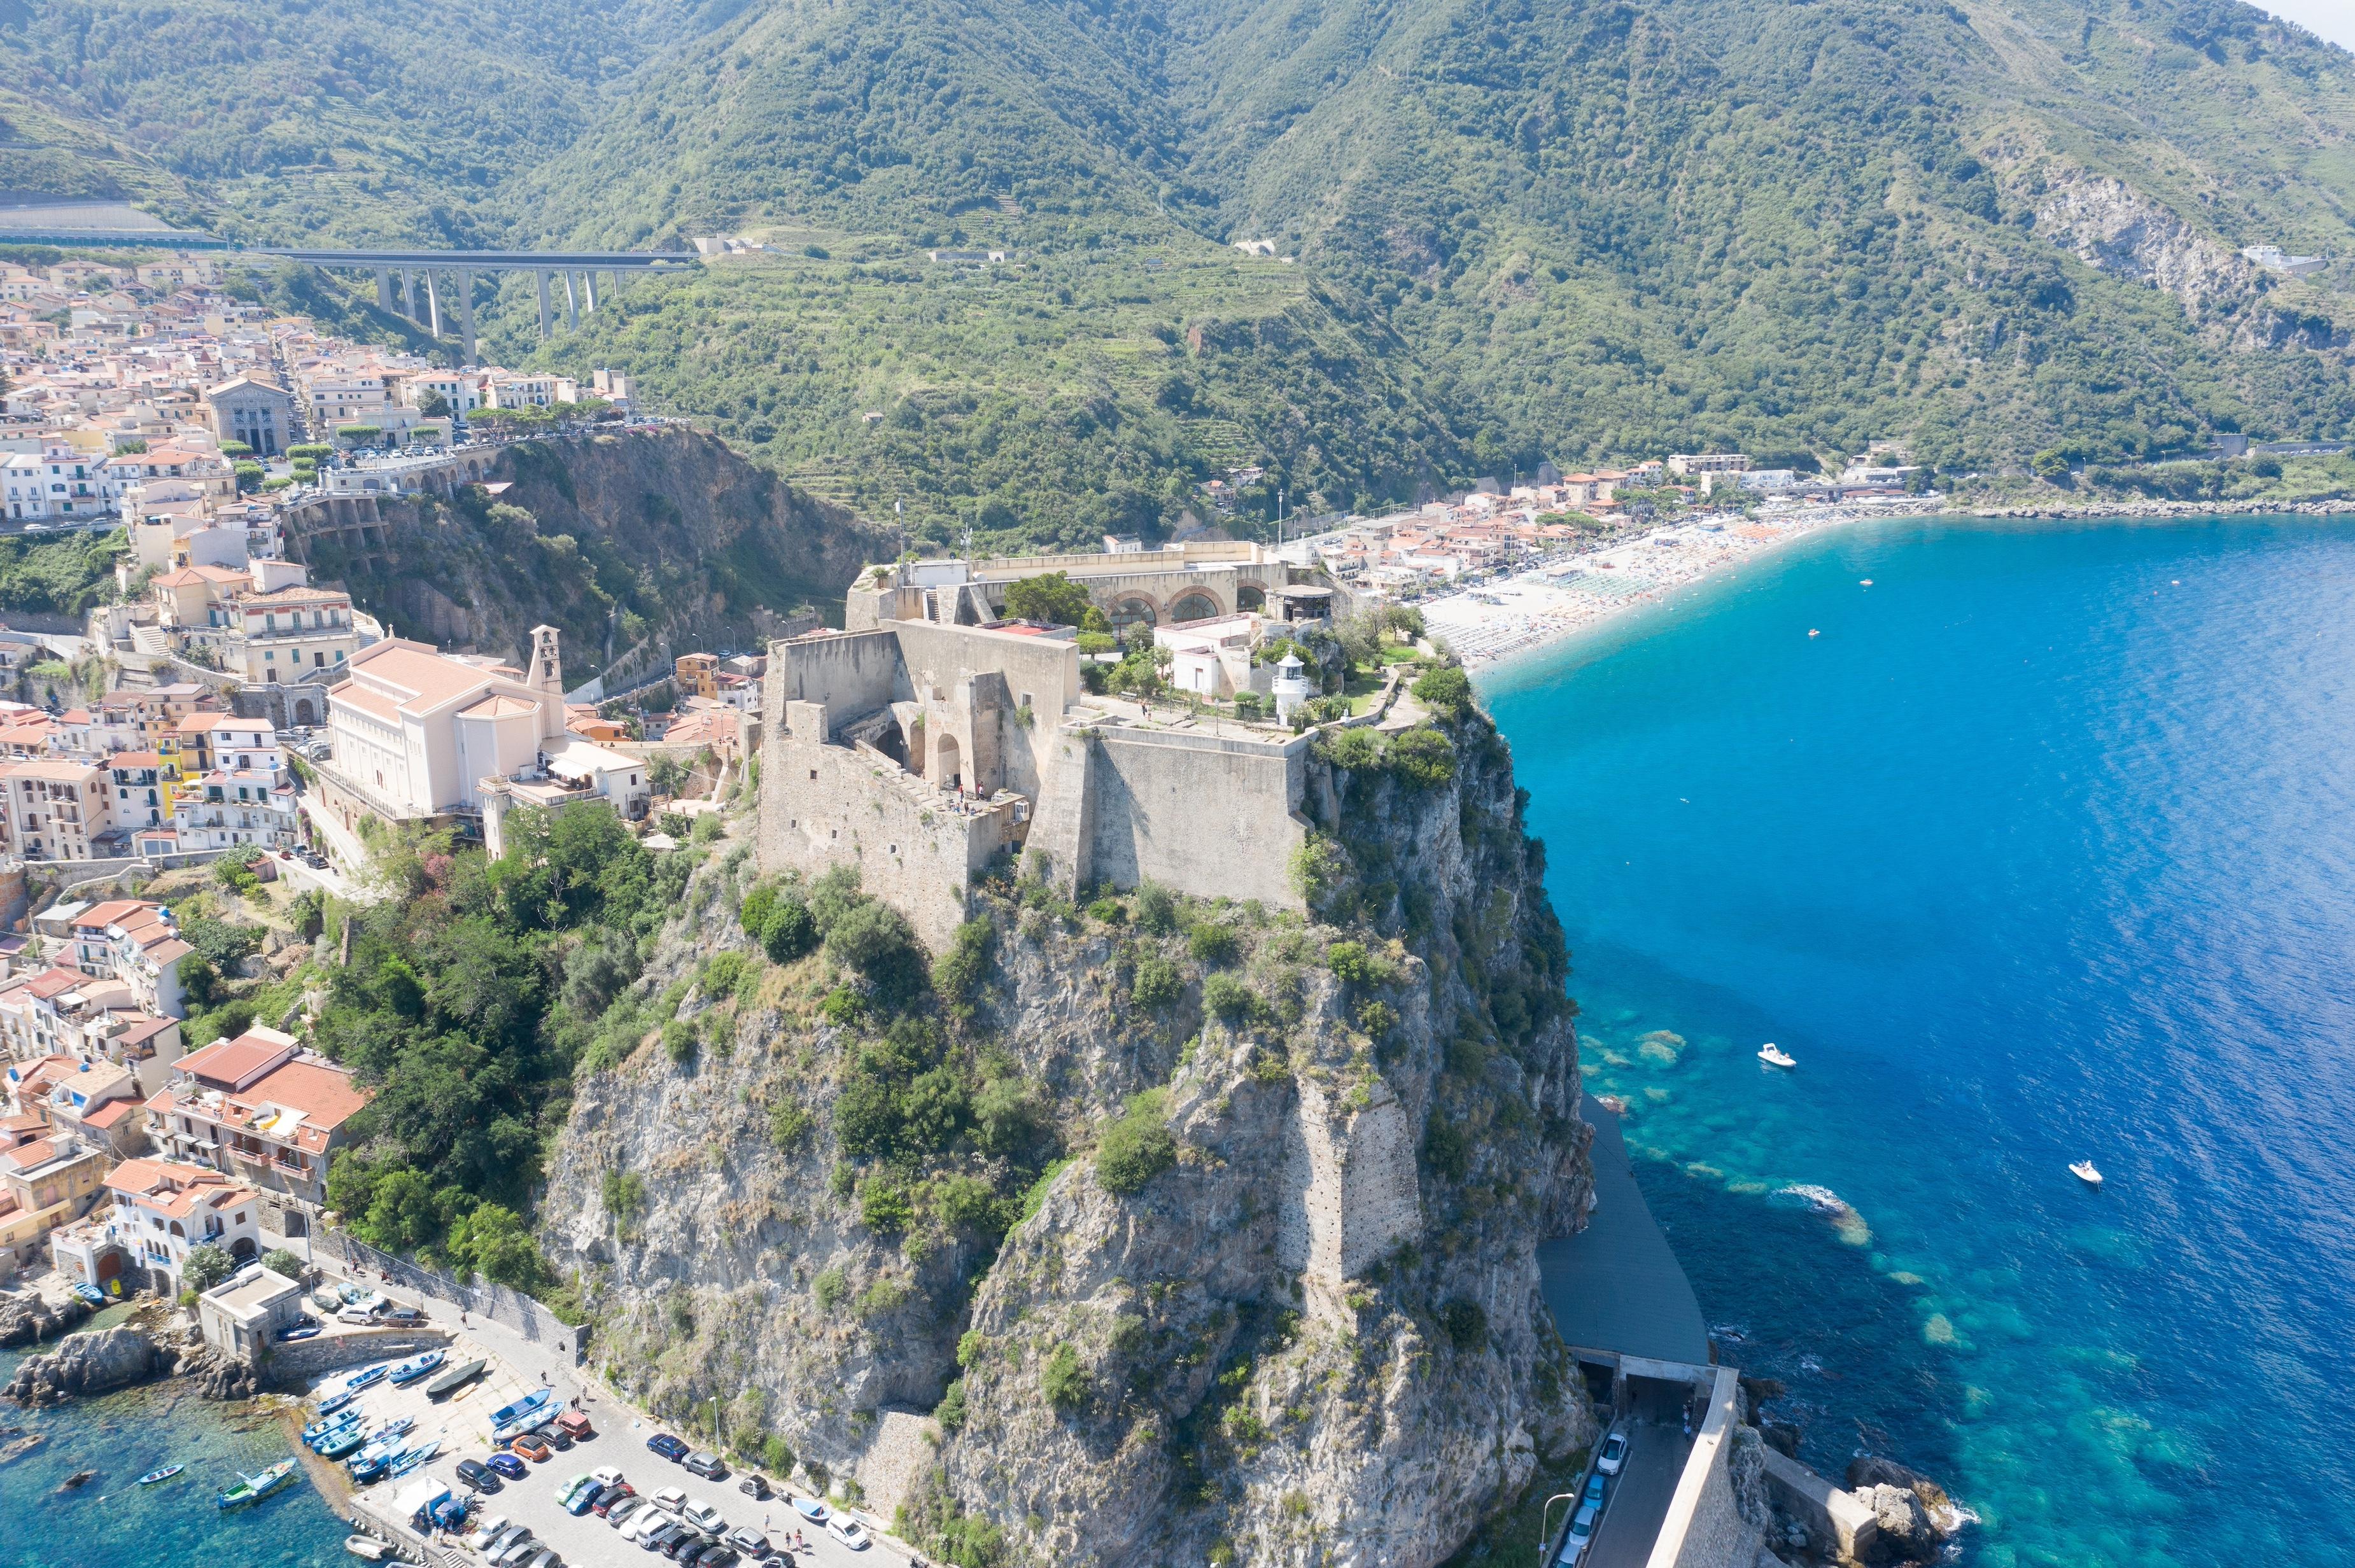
(2091, 509)
(85, 1363)
(27, 1319)
(1915, 1514)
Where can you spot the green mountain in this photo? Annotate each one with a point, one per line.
(1517, 230)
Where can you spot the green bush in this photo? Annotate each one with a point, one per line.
(957, 973)
(1158, 984)
(280, 1261)
(1137, 1147)
(1063, 1380)
(1210, 943)
(1421, 757)
(1466, 1323)
(790, 1124)
(885, 1207)
(829, 1288)
(205, 1267)
(679, 1039)
(1157, 909)
(1229, 998)
(1353, 966)
(949, 1412)
(777, 1456)
(873, 939)
(1446, 690)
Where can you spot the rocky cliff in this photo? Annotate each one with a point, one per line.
(644, 543)
(1146, 1231)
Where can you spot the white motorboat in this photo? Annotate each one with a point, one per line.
(2084, 1171)
(1773, 1055)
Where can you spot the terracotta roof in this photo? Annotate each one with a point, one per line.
(135, 760)
(107, 1115)
(498, 705)
(232, 1060)
(175, 1190)
(55, 769)
(188, 576)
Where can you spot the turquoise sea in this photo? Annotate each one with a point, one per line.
(2042, 850)
(112, 1522)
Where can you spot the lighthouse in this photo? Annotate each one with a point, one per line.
(1291, 687)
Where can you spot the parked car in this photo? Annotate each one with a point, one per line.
(548, 1431)
(611, 1497)
(356, 1313)
(490, 1530)
(707, 1466)
(477, 1475)
(670, 1500)
(689, 1544)
(719, 1555)
(749, 1542)
(756, 1487)
(669, 1447)
(575, 1425)
(1581, 1536)
(1614, 1454)
(643, 1520)
(572, 1486)
(403, 1316)
(544, 1558)
(532, 1448)
(664, 1534)
(1596, 1485)
(847, 1531)
(704, 1517)
(583, 1499)
(511, 1548)
(508, 1465)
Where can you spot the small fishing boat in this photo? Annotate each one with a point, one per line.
(166, 1474)
(416, 1455)
(253, 1488)
(1773, 1055)
(335, 1445)
(2084, 1171)
(367, 1377)
(352, 1294)
(335, 1402)
(416, 1366)
(510, 1419)
(453, 1379)
(365, 1546)
(342, 1418)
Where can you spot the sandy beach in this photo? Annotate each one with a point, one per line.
(1566, 594)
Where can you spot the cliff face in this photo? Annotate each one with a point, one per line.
(1277, 1300)
(636, 546)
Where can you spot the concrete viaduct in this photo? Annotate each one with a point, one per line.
(460, 267)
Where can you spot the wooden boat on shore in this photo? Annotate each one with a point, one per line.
(416, 1366)
(453, 1379)
(253, 1488)
(345, 1415)
(528, 1411)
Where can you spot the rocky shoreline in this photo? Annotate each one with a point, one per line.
(104, 1359)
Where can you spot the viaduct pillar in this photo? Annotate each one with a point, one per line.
(547, 317)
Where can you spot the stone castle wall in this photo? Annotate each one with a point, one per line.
(1349, 1192)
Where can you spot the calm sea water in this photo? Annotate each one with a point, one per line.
(2043, 850)
(110, 1523)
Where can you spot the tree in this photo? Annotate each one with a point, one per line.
(205, 1267)
(1051, 599)
(1137, 1147)
(434, 406)
(278, 1259)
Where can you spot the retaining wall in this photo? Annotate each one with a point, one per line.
(290, 1366)
(496, 1302)
(1703, 1529)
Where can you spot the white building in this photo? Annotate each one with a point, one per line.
(163, 1211)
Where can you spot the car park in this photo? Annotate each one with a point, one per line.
(669, 1447)
(509, 1466)
(704, 1517)
(1614, 1454)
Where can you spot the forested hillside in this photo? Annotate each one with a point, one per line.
(1523, 229)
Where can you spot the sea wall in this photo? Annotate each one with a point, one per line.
(290, 1366)
(1705, 1527)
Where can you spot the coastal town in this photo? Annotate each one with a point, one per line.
(199, 769)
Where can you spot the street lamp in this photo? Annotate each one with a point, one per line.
(1545, 1530)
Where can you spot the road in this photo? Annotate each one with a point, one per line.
(1639, 1499)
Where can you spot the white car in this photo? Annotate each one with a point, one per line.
(846, 1531)
(607, 1475)
(1614, 1454)
(670, 1500)
(704, 1517)
(634, 1528)
(356, 1313)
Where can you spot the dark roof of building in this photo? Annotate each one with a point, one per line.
(1617, 1286)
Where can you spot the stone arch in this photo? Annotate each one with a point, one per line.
(303, 715)
(243, 1249)
(1251, 596)
(1197, 605)
(1133, 610)
(947, 762)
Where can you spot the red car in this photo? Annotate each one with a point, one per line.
(533, 1449)
(575, 1424)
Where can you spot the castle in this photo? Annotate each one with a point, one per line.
(929, 737)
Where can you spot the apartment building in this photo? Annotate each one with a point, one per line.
(261, 1106)
(59, 808)
(162, 1211)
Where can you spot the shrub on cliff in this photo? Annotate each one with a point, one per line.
(1210, 943)
(1157, 984)
(1229, 999)
(1444, 691)
(873, 939)
(1063, 1380)
(778, 918)
(958, 974)
(1137, 1147)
